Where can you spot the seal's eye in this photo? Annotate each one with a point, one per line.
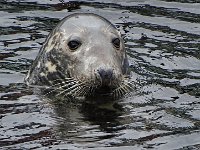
(116, 42)
(73, 45)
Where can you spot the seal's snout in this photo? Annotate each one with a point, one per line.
(105, 74)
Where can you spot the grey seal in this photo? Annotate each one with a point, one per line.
(84, 55)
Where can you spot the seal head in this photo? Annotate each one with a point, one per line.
(83, 55)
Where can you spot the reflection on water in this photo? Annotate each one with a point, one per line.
(162, 40)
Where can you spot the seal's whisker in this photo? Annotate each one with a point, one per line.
(127, 87)
(69, 89)
(130, 84)
(124, 88)
(63, 86)
(116, 93)
(66, 90)
(73, 91)
(79, 91)
(64, 81)
(92, 88)
(88, 92)
(55, 89)
(122, 91)
(54, 85)
(76, 91)
(82, 91)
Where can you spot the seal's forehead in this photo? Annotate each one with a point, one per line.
(85, 21)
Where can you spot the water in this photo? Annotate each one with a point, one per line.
(163, 43)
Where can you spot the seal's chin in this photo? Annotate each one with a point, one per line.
(104, 90)
(105, 86)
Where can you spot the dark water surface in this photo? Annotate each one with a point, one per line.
(163, 43)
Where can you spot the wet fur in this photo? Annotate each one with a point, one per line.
(51, 68)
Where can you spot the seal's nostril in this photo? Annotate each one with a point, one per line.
(105, 73)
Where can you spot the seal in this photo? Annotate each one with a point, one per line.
(84, 55)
